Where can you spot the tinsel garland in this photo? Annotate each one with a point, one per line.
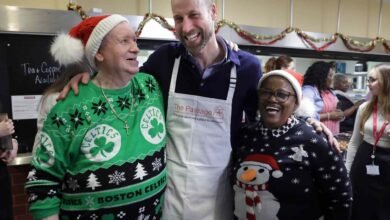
(311, 40)
(357, 45)
(254, 38)
(386, 46)
(258, 39)
(78, 8)
(159, 19)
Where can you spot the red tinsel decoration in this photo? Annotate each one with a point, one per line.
(386, 46)
(249, 38)
(350, 47)
(254, 38)
(313, 46)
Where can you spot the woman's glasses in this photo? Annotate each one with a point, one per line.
(280, 95)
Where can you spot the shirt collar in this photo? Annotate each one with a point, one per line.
(230, 55)
(277, 132)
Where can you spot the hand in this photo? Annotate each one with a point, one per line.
(337, 115)
(6, 127)
(9, 156)
(233, 46)
(358, 103)
(316, 124)
(321, 127)
(74, 85)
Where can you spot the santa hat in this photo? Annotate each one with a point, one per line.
(265, 161)
(289, 77)
(84, 39)
(306, 106)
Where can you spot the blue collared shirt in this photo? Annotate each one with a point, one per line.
(192, 80)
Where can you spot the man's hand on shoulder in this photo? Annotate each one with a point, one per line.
(233, 46)
(74, 85)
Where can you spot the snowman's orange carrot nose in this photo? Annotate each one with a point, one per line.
(248, 175)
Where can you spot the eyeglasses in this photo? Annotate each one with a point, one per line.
(281, 96)
(371, 80)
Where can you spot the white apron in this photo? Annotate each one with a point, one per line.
(198, 155)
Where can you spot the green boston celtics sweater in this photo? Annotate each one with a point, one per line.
(88, 167)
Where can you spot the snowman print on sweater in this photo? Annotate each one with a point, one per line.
(252, 199)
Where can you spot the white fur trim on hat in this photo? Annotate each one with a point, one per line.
(97, 35)
(67, 50)
(294, 82)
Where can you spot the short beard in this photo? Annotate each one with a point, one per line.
(206, 36)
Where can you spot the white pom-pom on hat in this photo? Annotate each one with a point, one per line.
(84, 39)
(306, 108)
(67, 50)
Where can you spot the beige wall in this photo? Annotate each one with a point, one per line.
(47, 4)
(358, 17)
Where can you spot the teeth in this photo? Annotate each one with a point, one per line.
(191, 37)
(271, 108)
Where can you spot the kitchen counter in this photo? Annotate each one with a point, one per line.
(21, 159)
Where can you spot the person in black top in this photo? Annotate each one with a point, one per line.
(341, 85)
(6, 156)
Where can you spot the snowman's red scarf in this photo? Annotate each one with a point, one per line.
(252, 199)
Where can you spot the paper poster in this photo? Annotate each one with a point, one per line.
(25, 106)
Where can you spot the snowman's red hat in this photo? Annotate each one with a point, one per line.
(266, 161)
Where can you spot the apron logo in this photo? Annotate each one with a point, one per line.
(153, 125)
(101, 143)
(45, 154)
(217, 113)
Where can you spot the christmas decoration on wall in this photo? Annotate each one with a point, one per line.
(317, 44)
(159, 19)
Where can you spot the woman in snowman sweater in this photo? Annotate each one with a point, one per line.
(284, 169)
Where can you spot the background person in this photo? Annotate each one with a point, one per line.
(283, 62)
(6, 156)
(317, 87)
(285, 170)
(49, 97)
(341, 85)
(101, 155)
(368, 155)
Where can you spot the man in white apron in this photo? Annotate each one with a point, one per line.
(199, 145)
(198, 155)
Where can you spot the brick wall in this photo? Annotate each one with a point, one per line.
(18, 178)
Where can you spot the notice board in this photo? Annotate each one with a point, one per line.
(26, 70)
